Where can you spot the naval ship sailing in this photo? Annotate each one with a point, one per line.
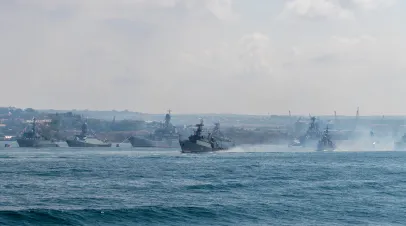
(164, 137)
(325, 143)
(83, 140)
(31, 138)
(311, 136)
(213, 141)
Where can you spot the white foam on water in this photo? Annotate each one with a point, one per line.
(268, 148)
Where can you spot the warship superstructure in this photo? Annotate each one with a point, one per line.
(311, 136)
(213, 141)
(164, 137)
(325, 143)
(32, 138)
(84, 140)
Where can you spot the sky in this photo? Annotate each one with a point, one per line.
(205, 56)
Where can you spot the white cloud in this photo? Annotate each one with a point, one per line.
(374, 4)
(102, 9)
(222, 9)
(249, 57)
(255, 54)
(314, 9)
(150, 55)
(363, 39)
(295, 51)
(332, 9)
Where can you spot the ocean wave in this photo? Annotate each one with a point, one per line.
(219, 215)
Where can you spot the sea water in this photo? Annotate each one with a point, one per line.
(264, 185)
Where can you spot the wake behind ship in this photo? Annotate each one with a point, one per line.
(82, 140)
(164, 137)
(33, 139)
(198, 142)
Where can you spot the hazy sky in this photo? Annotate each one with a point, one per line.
(200, 56)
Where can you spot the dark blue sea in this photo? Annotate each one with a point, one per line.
(246, 186)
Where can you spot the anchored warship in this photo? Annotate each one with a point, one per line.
(213, 141)
(164, 137)
(311, 136)
(83, 140)
(325, 143)
(32, 138)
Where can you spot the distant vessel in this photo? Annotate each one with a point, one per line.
(82, 140)
(374, 141)
(164, 137)
(325, 143)
(33, 139)
(198, 142)
(312, 134)
(401, 144)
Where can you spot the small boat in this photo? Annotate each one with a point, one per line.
(325, 143)
(374, 140)
(295, 143)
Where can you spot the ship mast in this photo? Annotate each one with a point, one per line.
(84, 129)
(356, 118)
(216, 129)
(335, 117)
(168, 119)
(290, 119)
(199, 128)
(33, 126)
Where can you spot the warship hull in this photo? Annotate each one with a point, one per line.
(327, 149)
(198, 147)
(308, 143)
(82, 144)
(33, 143)
(143, 142)
(201, 147)
(322, 147)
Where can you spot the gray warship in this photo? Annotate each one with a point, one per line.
(325, 143)
(83, 140)
(33, 139)
(164, 137)
(311, 136)
(198, 143)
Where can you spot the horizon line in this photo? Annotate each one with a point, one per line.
(211, 113)
(236, 114)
